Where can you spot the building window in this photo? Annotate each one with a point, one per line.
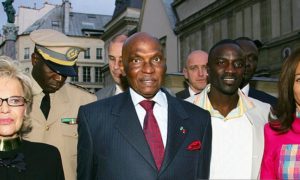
(88, 25)
(74, 79)
(86, 74)
(87, 53)
(55, 23)
(99, 53)
(27, 70)
(98, 77)
(26, 53)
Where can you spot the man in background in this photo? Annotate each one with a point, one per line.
(114, 61)
(251, 50)
(56, 103)
(195, 74)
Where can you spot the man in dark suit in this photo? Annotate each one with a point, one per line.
(250, 49)
(114, 60)
(194, 73)
(114, 141)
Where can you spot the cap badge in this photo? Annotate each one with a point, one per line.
(72, 53)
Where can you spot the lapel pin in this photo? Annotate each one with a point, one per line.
(182, 130)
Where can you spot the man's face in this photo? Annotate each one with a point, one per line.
(48, 80)
(114, 61)
(196, 71)
(251, 54)
(144, 64)
(226, 68)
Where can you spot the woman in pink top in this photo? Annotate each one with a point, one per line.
(281, 158)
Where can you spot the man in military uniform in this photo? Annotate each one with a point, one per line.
(56, 103)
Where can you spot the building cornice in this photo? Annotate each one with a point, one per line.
(202, 14)
(124, 21)
(282, 40)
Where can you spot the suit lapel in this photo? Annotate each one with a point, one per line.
(62, 97)
(175, 137)
(129, 126)
(36, 113)
(258, 139)
(186, 93)
(112, 90)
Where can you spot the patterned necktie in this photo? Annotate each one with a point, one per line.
(152, 133)
(45, 105)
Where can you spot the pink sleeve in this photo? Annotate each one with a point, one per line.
(268, 165)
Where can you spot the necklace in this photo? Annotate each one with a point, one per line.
(10, 144)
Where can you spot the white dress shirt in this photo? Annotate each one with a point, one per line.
(160, 111)
(192, 93)
(231, 155)
(246, 89)
(118, 90)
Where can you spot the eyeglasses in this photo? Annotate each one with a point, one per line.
(14, 101)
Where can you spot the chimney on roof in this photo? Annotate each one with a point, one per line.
(66, 15)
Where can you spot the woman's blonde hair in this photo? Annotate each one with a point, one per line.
(10, 70)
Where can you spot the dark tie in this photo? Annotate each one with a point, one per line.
(45, 105)
(152, 133)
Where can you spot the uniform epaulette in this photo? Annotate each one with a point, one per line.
(81, 87)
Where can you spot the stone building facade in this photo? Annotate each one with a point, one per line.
(84, 28)
(125, 20)
(275, 22)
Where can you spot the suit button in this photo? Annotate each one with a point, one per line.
(75, 134)
(47, 128)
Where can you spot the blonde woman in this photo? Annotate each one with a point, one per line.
(21, 159)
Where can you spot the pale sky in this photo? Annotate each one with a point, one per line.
(105, 7)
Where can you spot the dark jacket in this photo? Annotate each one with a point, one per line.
(112, 144)
(42, 161)
(183, 94)
(262, 96)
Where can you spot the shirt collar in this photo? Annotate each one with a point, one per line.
(118, 89)
(36, 88)
(192, 93)
(160, 98)
(246, 89)
(244, 104)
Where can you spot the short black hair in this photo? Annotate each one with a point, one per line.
(221, 42)
(257, 42)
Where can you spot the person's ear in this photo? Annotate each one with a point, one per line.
(185, 73)
(34, 59)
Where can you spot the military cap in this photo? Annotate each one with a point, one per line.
(59, 51)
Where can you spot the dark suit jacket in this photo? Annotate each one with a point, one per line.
(262, 96)
(112, 144)
(106, 92)
(183, 94)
